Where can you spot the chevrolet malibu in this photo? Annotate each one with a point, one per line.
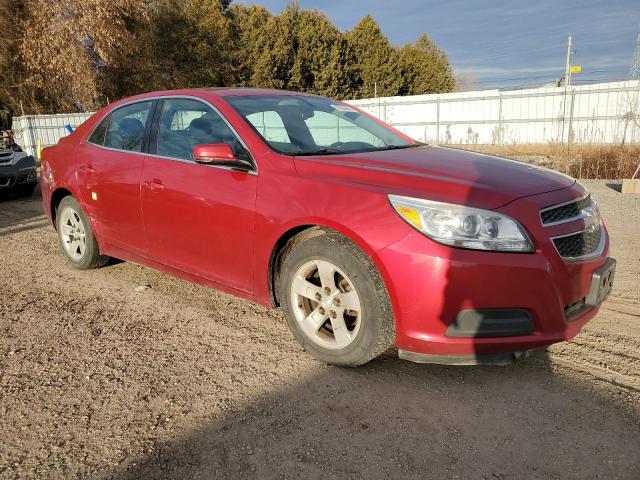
(364, 237)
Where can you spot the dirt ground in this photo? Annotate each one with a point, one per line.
(98, 380)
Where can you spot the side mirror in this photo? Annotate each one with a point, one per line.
(219, 154)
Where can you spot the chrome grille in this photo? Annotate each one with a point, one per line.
(565, 212)
(580, 244)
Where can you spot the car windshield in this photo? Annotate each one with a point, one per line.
(306, 125)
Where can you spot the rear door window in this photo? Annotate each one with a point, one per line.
(126, 128)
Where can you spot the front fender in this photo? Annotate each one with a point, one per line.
(264, 269)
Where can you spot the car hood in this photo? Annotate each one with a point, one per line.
(10, 157)
(438, 173)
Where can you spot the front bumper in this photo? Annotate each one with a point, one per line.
(496, 359)
(432, 284)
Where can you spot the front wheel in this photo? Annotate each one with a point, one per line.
(76, 238)
(334, 300)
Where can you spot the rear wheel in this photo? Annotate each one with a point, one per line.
(76, 238)
(334, 300)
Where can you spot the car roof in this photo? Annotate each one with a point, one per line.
(215, 91)
(241, 91)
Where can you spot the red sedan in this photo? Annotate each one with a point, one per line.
(363, 236)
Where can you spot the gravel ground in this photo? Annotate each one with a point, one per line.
(98, 380)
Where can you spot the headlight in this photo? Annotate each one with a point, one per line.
(461, 226)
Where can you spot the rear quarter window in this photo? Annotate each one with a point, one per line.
(98, 134)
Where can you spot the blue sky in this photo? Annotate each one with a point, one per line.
(504, 43)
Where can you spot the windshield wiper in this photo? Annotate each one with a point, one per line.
(319, 151)
(336, 151)
(396, 147)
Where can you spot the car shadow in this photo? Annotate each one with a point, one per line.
(394, 419)
(19, 214)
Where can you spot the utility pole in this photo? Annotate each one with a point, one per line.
(567, 79)
(634, 71)
(567, 68)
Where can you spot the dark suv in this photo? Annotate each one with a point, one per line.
(17, 169)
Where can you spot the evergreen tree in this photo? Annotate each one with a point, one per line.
(376, 60)
(343, 81)
(194, 46)
(322, 64)
(70, 55)
(275, 50)
(248, 28)
(424, 68)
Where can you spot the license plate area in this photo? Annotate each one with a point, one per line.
(601, 283)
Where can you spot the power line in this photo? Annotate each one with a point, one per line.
(550, 76)
(606, 74)
(534, 77)
(517, 52)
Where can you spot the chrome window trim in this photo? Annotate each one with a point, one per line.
(566, 220)
(182, 160)
(596, 253)
(254, 171)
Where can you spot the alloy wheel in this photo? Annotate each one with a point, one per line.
(326, 303)
(72, 233)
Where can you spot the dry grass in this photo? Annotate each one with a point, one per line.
(580, 161)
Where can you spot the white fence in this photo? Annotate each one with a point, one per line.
(46, 128)
(598, 113)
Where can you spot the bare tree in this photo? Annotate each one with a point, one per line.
(631, 115)
(465, 82)
(69, 46)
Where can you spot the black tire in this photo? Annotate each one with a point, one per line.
(91, 258)
(25, 190)
(376, 331)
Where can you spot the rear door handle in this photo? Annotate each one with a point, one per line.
(155, 185)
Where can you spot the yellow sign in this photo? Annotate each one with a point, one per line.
(576, 68)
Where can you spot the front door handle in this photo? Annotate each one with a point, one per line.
(155, 185)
